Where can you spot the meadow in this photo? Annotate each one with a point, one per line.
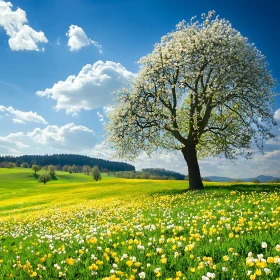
(76, 228)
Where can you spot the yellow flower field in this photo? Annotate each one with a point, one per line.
(212, 234)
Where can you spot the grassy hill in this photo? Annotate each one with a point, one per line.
(76, 228)
(21, 192)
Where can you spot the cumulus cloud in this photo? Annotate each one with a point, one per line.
(8, 145)
(91, 88)
(22, 36)
(21, 116)
(277, 115)
(69, 137)
(79, 39)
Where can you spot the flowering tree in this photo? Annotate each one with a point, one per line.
(204, 90)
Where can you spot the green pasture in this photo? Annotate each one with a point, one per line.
(20, 190)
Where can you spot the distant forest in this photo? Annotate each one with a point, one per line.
(150, 173)
(66, 159)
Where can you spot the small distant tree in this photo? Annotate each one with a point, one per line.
(51, 170)
(96, 173)
(58, 167)
(35, 168)
(73, 169)
(256, 181)
(44, 178)
(65, 168)
(10, 165)
(45, 167)
(86, 169)
(24, 165)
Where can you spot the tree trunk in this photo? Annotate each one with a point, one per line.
(189, 152)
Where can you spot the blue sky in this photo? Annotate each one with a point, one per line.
(120, 32)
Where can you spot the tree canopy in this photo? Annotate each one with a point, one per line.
(44, 178)
(35, 168)
(96, 173)
(204, 91)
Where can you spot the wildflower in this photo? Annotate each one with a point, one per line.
(210, 275)
(70, 261)
(179, 273)
(93, 267)
(225, 258)
(264, 245)
(224, 269)
(270, 260)
(267, 271)
(142, 275)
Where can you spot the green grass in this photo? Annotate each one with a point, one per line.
(76, 228)
(20, 190)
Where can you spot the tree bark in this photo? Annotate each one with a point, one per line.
(190, 155)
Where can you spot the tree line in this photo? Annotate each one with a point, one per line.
(50, 172)
(149, 173)
(61, 160)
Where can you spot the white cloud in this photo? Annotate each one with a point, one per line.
(91, 88)
(18, 121)
(9, 146)
(69, 137)
(277, 115)
(22, 36)
(23, 116)
(79, 39)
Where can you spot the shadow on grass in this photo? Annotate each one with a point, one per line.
(53, 177)
(169, 192)
(224, 188)
(36, 176)
(245, 187)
